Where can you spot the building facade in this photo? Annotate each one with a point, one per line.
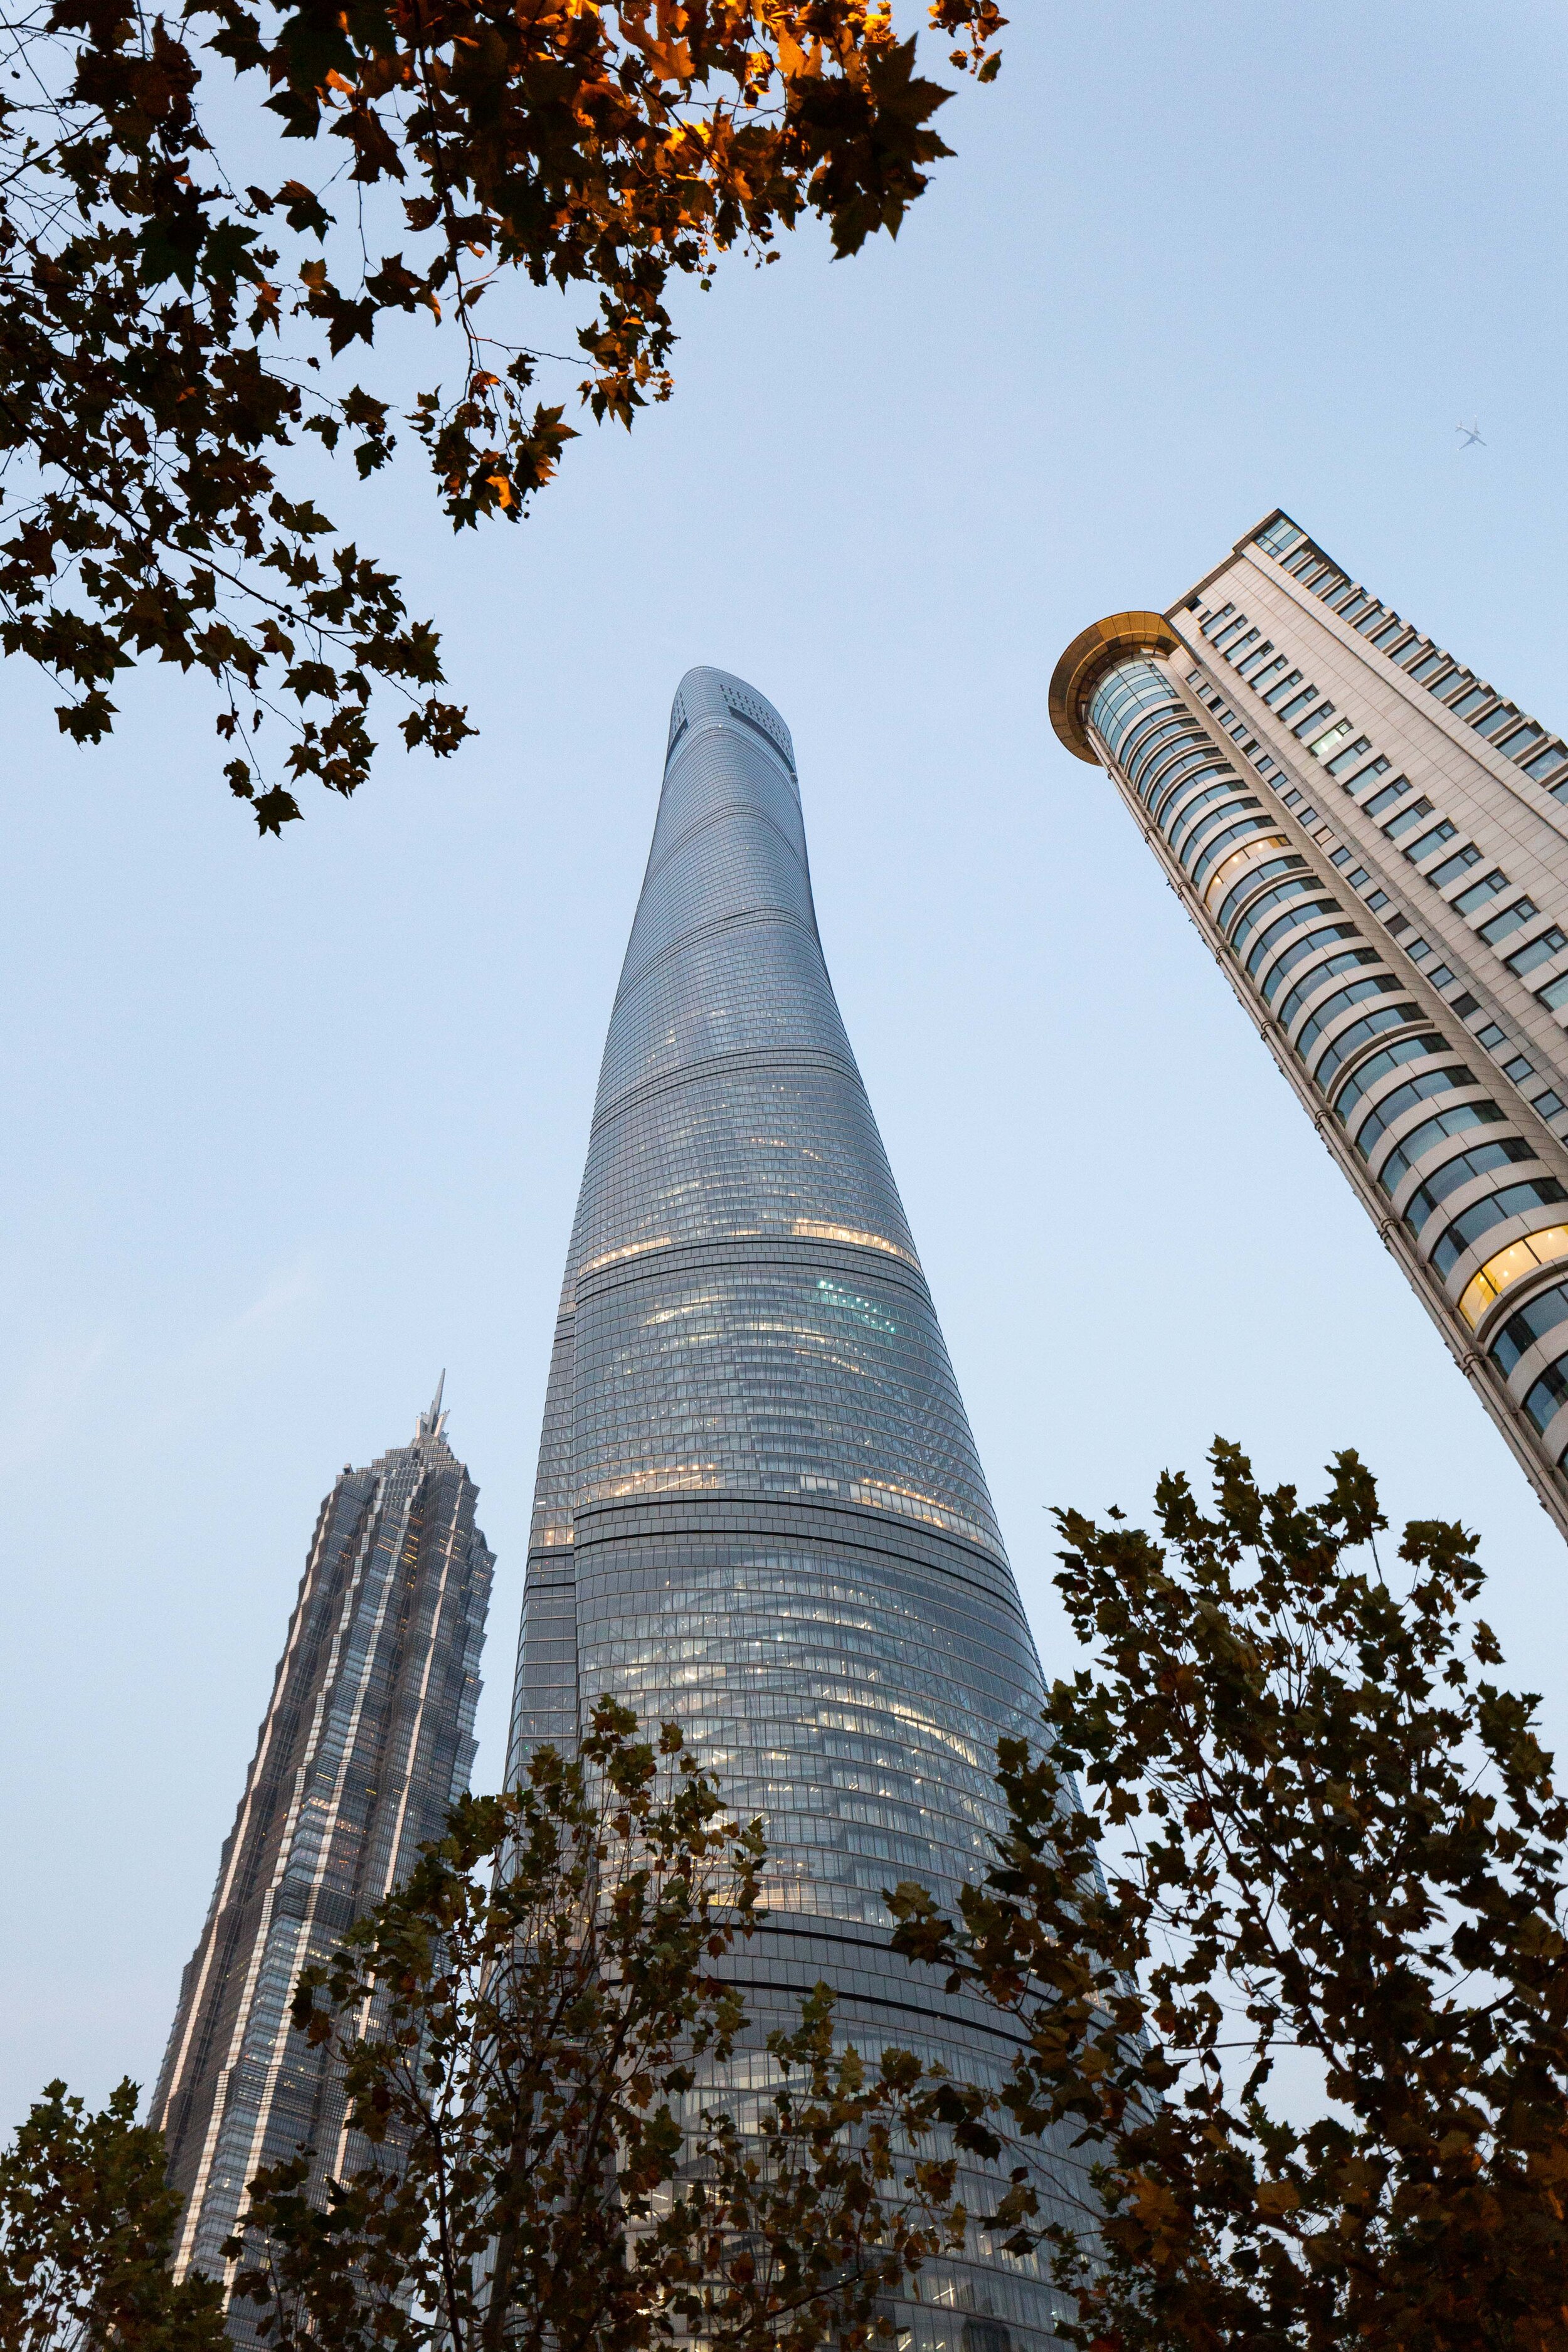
(1374, 841)
(759, 1510)
(366, 1742)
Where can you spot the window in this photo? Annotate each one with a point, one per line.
(1554, 995)
(1537, 1192)
(1407, 817)
(1372, 1024)
(1481, 894)
(1397, 923)
(1284, 688)
(1190, 808)
(1544, 762)
(1343, 857)
(1251, 660)
(1241, 645)
(1496, 720)
(1500, 926)
(1378, 1065)
(1206, 824)
(1379, 984)
(1353, 604)
(1523, 738)
(1377, 901)
(1261, 907)
(1307, 816)
(1491, 1036)
(1359, 878)
(1369, 775)
(1312, 980)
(1389, 794)
(1429, 1134)
(1423, 669)
(1223, 841)
(1412, 652)
(1434, 838)
(1370, 619)
(1267, 671)
(1385, 636)
(1341, 597)
(1260, 874)
(1291, 800)
(1341, 760)
(1282, 925)
(1472, 701)
(1530, 1322)
(1479, 1161)
(1393, 1106)
(1312, 945)
(1224, 636)
(1440, 976)
(1215, 619)
(1333, 736)
(1418, 949)
(1297, 702)
(1538, 951)
(1549, 1104)
(1464, 1004)
(1519, 1069)
(1550, 1391)
(1452, 868)
(1194, 768)
(1280, 537)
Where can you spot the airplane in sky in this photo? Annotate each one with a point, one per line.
(1472, 434)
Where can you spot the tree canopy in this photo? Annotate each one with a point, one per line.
(169, 336)
(567, 2139)
(86, 2226)
(1316, 1838)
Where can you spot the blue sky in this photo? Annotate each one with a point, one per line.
(294, 1124)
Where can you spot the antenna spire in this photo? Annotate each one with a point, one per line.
(433, 1425)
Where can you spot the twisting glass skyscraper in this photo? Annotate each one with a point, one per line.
(759, 1510)
(366, 1741)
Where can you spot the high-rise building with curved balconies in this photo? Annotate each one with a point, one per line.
(759, 1510)
(1374, 842)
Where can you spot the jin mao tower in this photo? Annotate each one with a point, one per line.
(759, 1508)
(1374, 841)
(366, 1742)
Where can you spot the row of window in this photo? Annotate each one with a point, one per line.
(1267, 904)
(1472, 901)
(1515, 734)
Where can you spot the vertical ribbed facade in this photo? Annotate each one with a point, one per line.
(1374, 842)
(367, 1740)
(759, 1508)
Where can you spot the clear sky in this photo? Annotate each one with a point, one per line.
(292, 1125)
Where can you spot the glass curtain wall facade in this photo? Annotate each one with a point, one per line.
(366, 1742)
(1374, 844)
(759, 1510)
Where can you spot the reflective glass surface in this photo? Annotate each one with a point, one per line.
(759, 1510)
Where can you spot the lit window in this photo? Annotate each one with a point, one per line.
(1516, 1199)
(1538, 1315)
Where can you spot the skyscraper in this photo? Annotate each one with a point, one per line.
(759, 1508)
(367, 1740)
(1375, 843)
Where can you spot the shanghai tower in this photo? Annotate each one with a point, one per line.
(760, 1511)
